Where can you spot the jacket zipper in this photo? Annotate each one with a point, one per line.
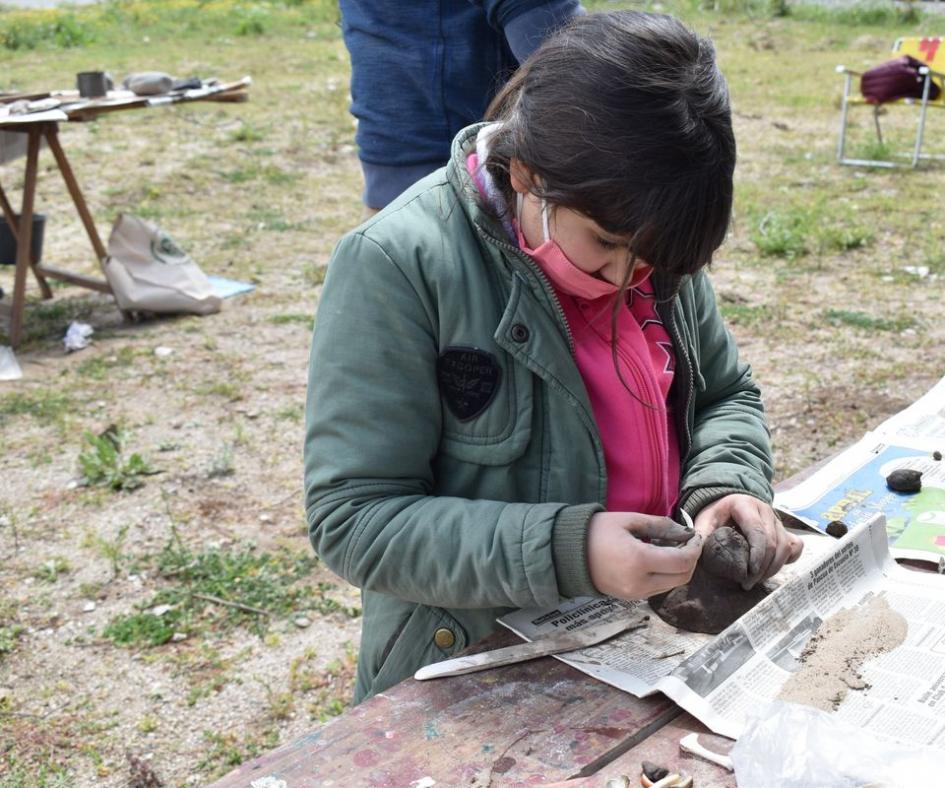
(682, 418)
(545, 282)
(646, 384)
(681, 352)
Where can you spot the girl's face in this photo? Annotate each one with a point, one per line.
(585, 243)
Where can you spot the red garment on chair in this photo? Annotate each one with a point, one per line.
(895, 79)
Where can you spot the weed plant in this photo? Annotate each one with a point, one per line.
(102, 463)
(259, 586)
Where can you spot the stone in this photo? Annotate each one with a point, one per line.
(904, 480)
(837, 529)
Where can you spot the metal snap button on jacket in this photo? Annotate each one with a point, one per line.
(520, 333)
(444, 638)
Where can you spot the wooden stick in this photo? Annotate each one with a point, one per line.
(52, 138)
(25, 238)
(9, 215)
(13, 224)
(238, 605)
(89, 282)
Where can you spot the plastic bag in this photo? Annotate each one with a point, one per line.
(148, 272)
(795, 746)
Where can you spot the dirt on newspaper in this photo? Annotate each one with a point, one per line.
(833, 656)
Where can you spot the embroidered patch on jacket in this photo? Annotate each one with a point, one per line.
(469, 379)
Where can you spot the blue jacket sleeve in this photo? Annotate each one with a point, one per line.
(526, 23)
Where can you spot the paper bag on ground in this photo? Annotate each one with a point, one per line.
(148, 272)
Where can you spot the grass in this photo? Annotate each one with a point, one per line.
(49, 571)
(257, 585)
(10, 635)
(226, 750)
(44, 405)
(110, 549)
(801, 230)
(865, 322)
(107, 22)
(748, 315)
(222, 464)
(101, 367)
(296, 317)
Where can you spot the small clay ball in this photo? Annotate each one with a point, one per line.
(905, 480)
(836, 529)
(936, 455)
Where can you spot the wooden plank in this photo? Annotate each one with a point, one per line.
(662, 748)
(13, 224)
(25, 237)
(9, 215)
(535, 722)
(234, 96)
(89, 282)
(9, 98)
(52, 139)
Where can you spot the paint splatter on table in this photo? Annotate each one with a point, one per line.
(529, 724)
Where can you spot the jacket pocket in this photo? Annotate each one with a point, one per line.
(416, 645)
(500, 434)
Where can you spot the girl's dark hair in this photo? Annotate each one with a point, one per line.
(624, 117)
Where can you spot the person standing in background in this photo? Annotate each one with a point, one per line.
(423, 70)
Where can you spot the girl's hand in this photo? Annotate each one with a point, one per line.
(770, 546)
(623, 566)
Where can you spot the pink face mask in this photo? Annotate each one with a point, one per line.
(564, 274)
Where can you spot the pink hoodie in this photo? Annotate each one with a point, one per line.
(641, 448)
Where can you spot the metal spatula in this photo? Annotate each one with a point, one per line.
(554, 644)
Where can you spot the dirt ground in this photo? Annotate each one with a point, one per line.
(114, 664)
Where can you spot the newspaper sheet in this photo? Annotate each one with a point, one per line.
(720, 678)
(924, 419)
(852, 487)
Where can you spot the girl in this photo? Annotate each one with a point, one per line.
(526, 337)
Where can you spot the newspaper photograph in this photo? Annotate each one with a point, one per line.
(849, 632)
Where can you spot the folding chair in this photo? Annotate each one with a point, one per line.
(927, 50)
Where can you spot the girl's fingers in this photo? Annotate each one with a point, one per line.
(797, 547)
(675, 534)
(653, 527)
(781, 556)
(661, 583)
(766, 537)
(672, 560)
(758, 555)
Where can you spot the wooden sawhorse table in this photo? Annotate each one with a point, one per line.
(45, 126)
(22, 227)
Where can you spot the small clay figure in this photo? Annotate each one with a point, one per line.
(837, 529)
(905, 480)
(714, 598)
(937, 456)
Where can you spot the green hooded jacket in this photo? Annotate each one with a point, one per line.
(452, 461)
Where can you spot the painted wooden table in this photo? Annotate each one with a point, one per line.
(536, 723)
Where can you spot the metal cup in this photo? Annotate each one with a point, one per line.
(92, 84)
